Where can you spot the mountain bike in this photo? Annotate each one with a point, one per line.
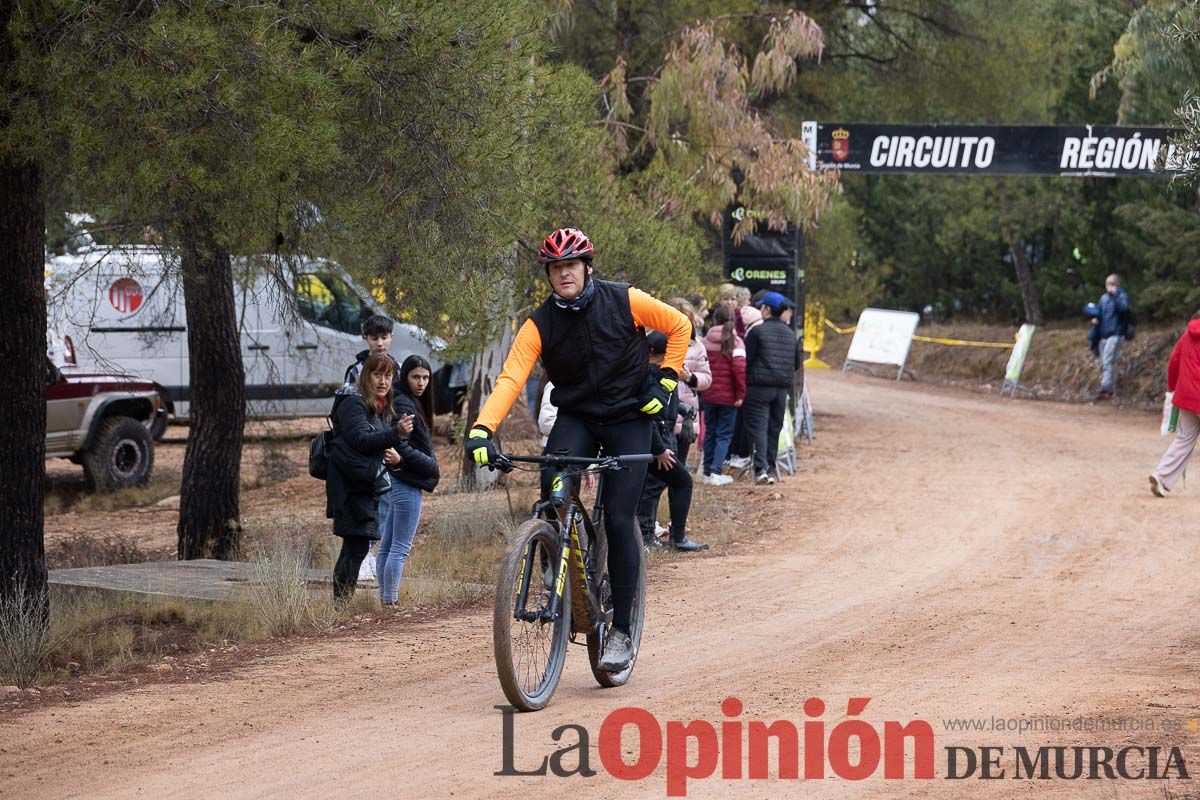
(553, 585)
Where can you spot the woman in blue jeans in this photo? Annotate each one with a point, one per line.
(727, 360)
(416, 471)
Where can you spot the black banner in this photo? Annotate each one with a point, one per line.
(764, 259)
(1101, 150)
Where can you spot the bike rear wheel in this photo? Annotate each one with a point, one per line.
(596, 639)
(529, 653)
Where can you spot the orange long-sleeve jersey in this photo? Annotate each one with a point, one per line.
(527, 348)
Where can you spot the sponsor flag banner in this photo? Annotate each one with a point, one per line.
(1016, 362)
(1101, 150)
(1016, 359)
(764, 259)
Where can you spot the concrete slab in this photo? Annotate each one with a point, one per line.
(200, 579)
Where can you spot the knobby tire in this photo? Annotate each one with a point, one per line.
(529, 655)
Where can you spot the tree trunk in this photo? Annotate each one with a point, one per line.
(23, 354)
(23, 401)
(1029, 296)
(209, 518)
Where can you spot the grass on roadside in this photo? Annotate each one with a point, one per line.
(25, 638)
(94, 631)
(97, 631)
(713, 518)
(279, 593)
(85, 550)
(458, 545)
(73, 499)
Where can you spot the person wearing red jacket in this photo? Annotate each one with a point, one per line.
(1183, 378)
(727, 361)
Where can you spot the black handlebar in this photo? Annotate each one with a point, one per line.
(553, 460)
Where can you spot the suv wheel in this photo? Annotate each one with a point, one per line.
(121, 455)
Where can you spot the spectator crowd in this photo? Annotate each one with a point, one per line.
(722, 423)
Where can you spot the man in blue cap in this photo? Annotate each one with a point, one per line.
(772, 358)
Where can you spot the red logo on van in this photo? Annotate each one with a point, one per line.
(125, 295)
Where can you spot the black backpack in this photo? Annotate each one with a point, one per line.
(321, 447)
(318, 454)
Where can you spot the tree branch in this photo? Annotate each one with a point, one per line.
(864, 56)
(619, 123)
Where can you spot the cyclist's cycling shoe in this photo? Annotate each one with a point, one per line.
(688, 545)
(618, 652)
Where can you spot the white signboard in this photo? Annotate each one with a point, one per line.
(882, 337)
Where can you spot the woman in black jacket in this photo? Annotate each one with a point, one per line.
(416, 472)
(362, 440)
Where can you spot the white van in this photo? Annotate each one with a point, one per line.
(299, 323)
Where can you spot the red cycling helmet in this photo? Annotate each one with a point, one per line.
(565, 244)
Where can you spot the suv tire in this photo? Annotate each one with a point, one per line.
(121, 455)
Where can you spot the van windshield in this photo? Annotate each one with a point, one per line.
(325, 299)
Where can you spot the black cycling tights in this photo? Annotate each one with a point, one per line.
(622, 490)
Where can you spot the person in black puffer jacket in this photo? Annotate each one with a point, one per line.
(772, 358)
(667, 470)
(416, 472)
(363, 439)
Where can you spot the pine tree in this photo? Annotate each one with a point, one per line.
(22, 326)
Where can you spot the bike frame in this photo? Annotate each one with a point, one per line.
(565, 510)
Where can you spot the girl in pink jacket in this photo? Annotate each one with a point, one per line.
(727, 362)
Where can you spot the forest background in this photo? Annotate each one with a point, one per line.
(579, 126)
(428, 146)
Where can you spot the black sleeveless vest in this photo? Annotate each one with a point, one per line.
(597, 358)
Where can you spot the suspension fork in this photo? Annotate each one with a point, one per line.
(525, 572)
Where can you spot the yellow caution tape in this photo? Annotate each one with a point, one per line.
(961, 342)
(836, 329)
(931, 339)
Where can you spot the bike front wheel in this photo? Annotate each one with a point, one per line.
(529, 649)
(598, 636)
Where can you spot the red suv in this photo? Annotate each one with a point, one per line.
(103, 422)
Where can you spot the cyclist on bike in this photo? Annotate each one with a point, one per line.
(590, 335)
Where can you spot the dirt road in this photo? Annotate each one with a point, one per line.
(946, 555)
